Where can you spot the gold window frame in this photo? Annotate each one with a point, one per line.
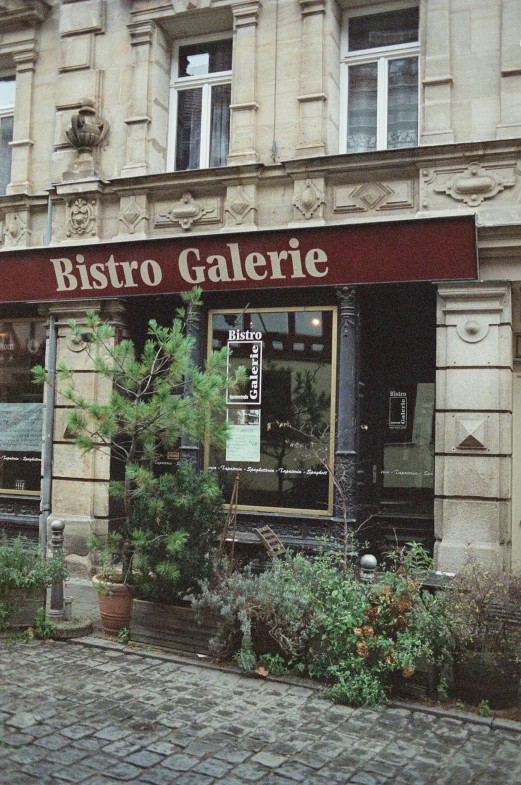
(334, 346)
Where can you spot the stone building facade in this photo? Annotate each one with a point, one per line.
(343, 179)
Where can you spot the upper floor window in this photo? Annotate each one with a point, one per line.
(7, 92)
(380, 77)
(200, 101)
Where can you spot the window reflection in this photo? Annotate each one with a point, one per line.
(281, 467)
(22, 345)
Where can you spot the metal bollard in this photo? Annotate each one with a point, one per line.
(67, 608)
(56, 609)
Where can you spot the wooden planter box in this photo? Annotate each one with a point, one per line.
(26, 608)
(173, 627)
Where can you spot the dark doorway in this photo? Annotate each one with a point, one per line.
(398, 365)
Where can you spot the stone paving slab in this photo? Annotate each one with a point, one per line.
(102, 715)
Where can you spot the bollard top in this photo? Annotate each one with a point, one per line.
(368, 562)
(57, 526)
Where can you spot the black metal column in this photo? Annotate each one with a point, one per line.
(346, 453)
(188, 451)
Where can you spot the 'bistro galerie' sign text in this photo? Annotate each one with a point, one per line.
(415, 250)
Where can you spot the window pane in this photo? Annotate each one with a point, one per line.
(206, 58)
(7, 91)
(220, 120)
(396, 27)
(402, 116)
(22, 345)
(280, 467)
(361, 108)
(6, 136)
(188, 146)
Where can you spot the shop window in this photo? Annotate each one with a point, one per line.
(22, 345)
(282, 422)
(200, 105)
(408, 452)
(380, 54)
(7, 93)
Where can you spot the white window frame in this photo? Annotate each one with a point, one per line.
(207, 82)
(7, 110)
(381, 56)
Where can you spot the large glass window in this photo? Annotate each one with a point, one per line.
(282, 421)
(22, 345)
(7, 94)
(200, 100)
(380, 75)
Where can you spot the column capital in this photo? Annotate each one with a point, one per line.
(141, 32)
(312, 7)
(246, 13)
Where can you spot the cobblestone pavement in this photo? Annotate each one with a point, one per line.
(70, 713)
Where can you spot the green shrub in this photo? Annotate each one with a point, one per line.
(22, 570)
(349, 634)
(175, 524)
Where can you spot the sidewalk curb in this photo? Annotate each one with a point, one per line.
(494, 723)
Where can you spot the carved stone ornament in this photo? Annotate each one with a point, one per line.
(239, 205)
(15, 229)
(81, 217)
(473, 330)
(471, 434)
(87, 131)
(133, 213)
(309, 199)
(373, 197)
(185, 212)
(474, 184)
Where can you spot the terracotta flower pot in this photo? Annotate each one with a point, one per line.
(115, 604)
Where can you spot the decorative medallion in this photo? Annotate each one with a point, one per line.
(309, 200)
(185, 212)
(474, 184)
(81, 217)
(239, 205)
(133, 213)
(15, 229)
(472, 330)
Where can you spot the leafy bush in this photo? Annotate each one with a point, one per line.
(480, 604)
(274, 598)
(175, 524)
(349, 634)
(22, 570)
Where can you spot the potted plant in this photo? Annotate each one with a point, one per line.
(114, 597)
(157, 399)
(24, 577)
(485, 627)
